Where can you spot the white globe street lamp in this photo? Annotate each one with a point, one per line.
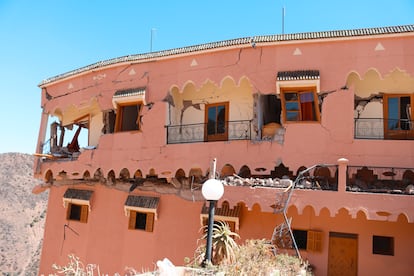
(212, 191)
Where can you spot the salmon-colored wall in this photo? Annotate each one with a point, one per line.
(105, 239)
(255, 224)
(329, 140)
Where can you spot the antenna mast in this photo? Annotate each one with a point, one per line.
(152, 36)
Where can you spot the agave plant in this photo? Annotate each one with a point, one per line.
(224, 245)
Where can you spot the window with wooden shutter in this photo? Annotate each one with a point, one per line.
(77, 212)
(231, 216)
(142, 212)
(231, 224)
(314, 242)
(128, 104)
(141, 221)
(78, 204)
(149, 227)
(132, 219)
(308, 240)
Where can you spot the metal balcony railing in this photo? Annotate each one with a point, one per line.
(192, 133)
(380, 179)
(383, 129)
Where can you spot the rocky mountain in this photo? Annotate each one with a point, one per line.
(22, 216)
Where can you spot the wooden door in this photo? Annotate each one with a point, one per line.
(343, 254)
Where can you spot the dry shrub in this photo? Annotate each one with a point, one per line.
(255, 257)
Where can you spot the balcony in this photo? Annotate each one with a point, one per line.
(380, 180)
(372, 202)
(193, 133)
(384, 129)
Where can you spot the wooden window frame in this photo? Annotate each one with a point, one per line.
(149, 222)
(120, 115)
(398, 133)
(84, 212)
(233, 222)
(221, 136)
(313, 240)
(299, 90)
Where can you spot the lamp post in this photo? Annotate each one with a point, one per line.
(212, 191)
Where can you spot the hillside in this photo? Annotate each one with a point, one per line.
(22, 216)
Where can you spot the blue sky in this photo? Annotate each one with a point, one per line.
(44, 38)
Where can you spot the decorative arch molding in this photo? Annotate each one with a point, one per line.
(86, 175)
(124, 174)
(138, 173)
(373, 82)
(187, 103)
(188, 87)
(48, 178)
(227, 170)
(111, 179)
(298, 208)
(361, 215)
(57, 112)
(404, 217)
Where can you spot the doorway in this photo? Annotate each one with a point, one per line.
(343, 254)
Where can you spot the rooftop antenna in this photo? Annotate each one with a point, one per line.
(283, 20)
(152, 37)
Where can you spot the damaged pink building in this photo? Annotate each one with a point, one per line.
(126, 144)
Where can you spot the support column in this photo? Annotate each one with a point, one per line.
(342, 174)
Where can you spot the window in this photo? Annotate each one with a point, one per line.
(224, 213)
(300, 104)
(270, 109)
(231, 224)
(308, 240)
(109, 118)
(397, 115)
(68, 136)
(216, 118)
(141, 221)
(128, 104)
(142, 212)
(383, 245)
(77, 212)
(128, 117)
(298, 94)
(78, 204)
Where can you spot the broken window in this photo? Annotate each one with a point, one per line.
(268, 115)
(271, 109)
(67, 139)
(128, 117)
(128, 104)
(109, 119)
(298, 93)
(300, 104)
